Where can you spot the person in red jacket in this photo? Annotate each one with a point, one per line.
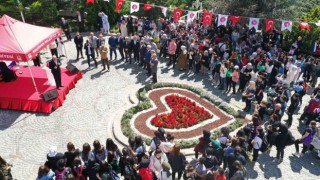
(144, 171)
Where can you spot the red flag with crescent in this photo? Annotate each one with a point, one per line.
(235, 19)
(177, 14)
(147, 7)
(89, 1)
(304, 25)
(269, 24)
(119, 4)
(207, 18)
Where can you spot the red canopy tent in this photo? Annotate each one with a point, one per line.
(21, 41)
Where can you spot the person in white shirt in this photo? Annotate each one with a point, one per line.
(223, 74)
(53, 49)
(156, 161)
(60, 47)
(167, 146)
(257, 142)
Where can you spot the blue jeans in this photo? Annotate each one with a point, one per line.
(222, 82)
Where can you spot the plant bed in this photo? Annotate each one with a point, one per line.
(129, 129)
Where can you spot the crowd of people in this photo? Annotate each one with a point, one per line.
(239, 61)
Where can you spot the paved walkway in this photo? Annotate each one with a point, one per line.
(98, 100)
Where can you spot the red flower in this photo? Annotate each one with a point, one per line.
(184, 114)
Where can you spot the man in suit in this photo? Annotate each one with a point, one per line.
(65, 27)
(80, 20)
(120, 45)
(142, 51)
(136, 48)
(101, 40)
(93, 43)
(78, 40)
(147, 59)
(127, 46)
(54, 65)
(112, 46)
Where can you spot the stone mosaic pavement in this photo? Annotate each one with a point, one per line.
(98, 100)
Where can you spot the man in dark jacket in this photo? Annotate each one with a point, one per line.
(119, 42)
(147, 59)
(142, 51)
(112, 46)
(54, 65)
(65, 27)
(78, 40)
(127, 46)
(136, 48)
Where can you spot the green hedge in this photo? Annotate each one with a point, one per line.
(144, 104)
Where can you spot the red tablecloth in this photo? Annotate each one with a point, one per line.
(21, 94)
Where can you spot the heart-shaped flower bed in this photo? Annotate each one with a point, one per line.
(184, 113)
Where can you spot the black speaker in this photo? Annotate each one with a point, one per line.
(72, 69)
(52, 94)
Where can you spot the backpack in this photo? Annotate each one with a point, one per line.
(61, 175)
(156, 141)
(264, 145)
(79, 174)
(128, 170)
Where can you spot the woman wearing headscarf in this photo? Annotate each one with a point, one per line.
(105, 23)
(165, 173)
(182, 63)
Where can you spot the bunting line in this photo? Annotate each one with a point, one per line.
(216, 15)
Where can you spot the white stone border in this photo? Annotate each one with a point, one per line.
(176, 130)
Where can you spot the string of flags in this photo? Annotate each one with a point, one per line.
(207, 17)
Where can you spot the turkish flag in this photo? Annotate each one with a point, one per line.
(269, 24)
(147, 7)
(89, 1)
(304, 25)
(207, 18)
(177, 14)
(119, 4)
(235, 19)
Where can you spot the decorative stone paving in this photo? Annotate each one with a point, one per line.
(99, 100)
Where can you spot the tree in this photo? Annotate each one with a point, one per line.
(10, 7)
(43, 12)
(92, 10)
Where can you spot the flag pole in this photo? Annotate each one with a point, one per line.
(21, 13)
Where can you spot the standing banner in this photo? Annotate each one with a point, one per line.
(269, 24)
(177, 14)
(235, 19)
(89, 1)
(207, 18)
(191, 16)
(222, 20)
(147, 7)
(119, 4)
(286, 25)
(254, 23)
(134, 7)
(304, 25)
(164, 11)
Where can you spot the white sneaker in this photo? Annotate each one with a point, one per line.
(296, 154)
